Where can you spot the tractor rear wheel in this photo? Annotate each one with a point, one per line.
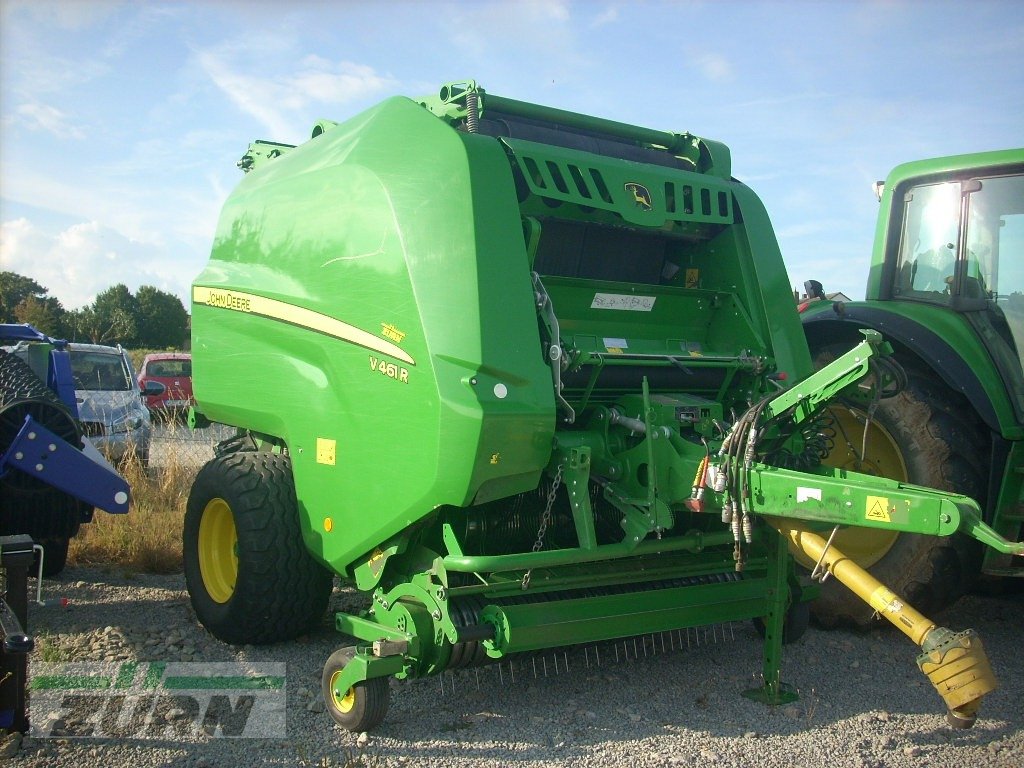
(249, 575)
(363, 706)
(926, 435)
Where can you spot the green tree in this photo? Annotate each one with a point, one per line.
(45, 314)
(162, 319)
(112, 317)
(14, 289)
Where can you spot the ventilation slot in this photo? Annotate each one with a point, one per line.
(688, 199)
(581, 184)
(534, 171)
(556, 176)
(602, 188)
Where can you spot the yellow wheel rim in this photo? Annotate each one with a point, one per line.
(218, 550)
(883, 458)
(343, 703)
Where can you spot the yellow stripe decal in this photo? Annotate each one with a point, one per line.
(304, 318)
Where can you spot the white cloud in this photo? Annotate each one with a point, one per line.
(608, 16)
(35, 116)
(280, 101)
(713, 66)
(77, 263)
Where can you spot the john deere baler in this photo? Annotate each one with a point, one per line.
(527, 378)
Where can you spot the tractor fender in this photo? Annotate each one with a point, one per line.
(928, 347)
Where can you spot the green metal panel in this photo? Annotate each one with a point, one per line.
(763, 279)
(358, 305)
(645, 195)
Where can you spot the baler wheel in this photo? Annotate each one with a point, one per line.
(363, 706)
(926, 435)
(249, 575)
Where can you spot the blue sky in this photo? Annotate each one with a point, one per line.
(121, 123)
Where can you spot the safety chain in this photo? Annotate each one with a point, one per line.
(545, 518)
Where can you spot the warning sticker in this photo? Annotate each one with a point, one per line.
(883, 599)
(877, 508)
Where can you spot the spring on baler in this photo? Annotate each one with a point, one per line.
(465, 611)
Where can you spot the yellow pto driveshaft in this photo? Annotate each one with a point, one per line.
(955, 662)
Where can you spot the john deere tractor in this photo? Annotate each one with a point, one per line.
(526, 378)
(946, 289)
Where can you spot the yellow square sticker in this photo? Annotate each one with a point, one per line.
(877, 508)
(325, 451)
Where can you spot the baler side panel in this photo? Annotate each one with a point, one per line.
(363, 229)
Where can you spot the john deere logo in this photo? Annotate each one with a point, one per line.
(641, 196)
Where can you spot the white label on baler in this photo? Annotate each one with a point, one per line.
(623, 302)
(803, 494)
(619, 344)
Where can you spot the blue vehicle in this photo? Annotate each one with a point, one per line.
(51, 479)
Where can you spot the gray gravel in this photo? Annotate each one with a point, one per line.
(862, 700)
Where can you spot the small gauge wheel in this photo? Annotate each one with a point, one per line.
(360, 707)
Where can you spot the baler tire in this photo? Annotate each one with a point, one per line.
(259, 585)
(364, 705)
(941, 447)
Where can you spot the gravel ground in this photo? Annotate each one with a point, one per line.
(862, 700)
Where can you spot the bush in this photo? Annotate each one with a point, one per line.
(148, 538)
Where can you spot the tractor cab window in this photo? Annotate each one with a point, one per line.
(927, 255)
(939, 259)
(995, 251)
(962, 245)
